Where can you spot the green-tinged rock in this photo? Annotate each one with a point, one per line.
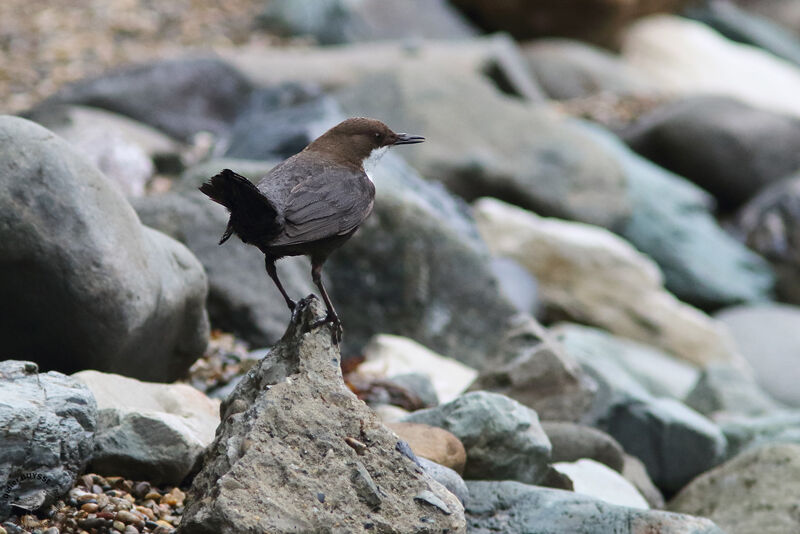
(514, 508)
(503, 438)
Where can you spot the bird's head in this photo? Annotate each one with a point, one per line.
(355, 139)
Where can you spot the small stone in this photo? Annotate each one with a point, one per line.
(87, 497)
(174, 498)
(156, 496)
(127, 517)
(93, 522)
(90, 507)
(29, 521)
(51, 530)
(130, 529)
(118, 525)
(431, 498)
(435, 444)
(163, 523)
(356, 445)
(147, 512)
(141, 489)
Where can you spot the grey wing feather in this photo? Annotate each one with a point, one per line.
(326, 207)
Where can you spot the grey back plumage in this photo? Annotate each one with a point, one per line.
(317, 198)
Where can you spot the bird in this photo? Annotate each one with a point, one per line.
(310, 204)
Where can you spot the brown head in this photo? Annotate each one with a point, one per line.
(353, 140)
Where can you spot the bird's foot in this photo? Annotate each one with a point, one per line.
(336, 326)
(295, 308)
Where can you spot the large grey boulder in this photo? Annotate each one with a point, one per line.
(264, 132)
(48, 423)
(148, 431)
(757, 491)
(573, 69)
(241, 297)
(178, 96)
(504, 147)
(404, 272)
(494, 58)
(692, 137)
(672, 221)
(503, 439)
(82, 283)
(345, 21)
(514, 508)
(298, 452)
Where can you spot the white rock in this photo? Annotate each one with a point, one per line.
(597, 480)
(597, 278)
(198, 413)
(388, 355)
(687, 57)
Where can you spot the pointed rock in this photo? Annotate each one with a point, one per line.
(298, 452)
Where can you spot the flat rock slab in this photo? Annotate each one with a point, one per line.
(47, 424)
(298, 452)
(514, 508)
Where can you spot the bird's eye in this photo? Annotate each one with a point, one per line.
(377, 135)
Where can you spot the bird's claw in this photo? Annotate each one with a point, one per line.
(295, 308)
(336, 327)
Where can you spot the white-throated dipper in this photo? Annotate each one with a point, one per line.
(309, 204)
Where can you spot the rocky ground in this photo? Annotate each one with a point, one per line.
(574, 308)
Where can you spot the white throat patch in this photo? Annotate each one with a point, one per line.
(372, 161)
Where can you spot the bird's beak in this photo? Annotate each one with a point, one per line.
(408, 139)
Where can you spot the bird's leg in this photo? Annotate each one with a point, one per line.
(273, 273)
(316, 275)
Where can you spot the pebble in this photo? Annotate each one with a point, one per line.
(107, 504)
(127, 517)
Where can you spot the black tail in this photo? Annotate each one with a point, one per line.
(253, 216)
